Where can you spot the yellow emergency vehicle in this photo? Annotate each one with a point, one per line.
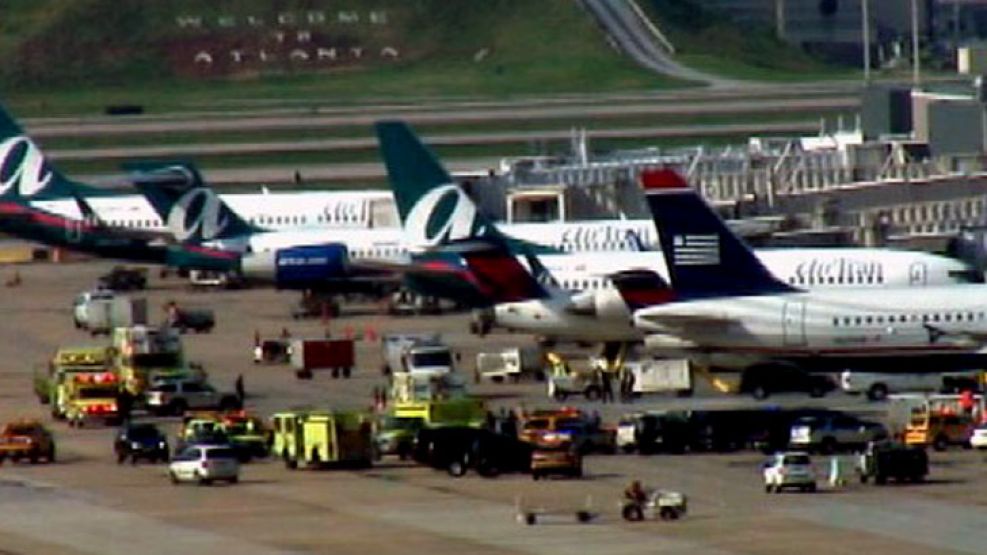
(316, 438)
(92, 397)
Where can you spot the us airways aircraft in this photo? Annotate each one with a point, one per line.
(26, 169)
(725, 308)
(585, 305)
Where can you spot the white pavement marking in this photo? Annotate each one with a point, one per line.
(55, 516)
(932, 523)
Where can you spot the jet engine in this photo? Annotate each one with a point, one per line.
(297, 267)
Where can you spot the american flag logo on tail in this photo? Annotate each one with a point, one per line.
(696, 250)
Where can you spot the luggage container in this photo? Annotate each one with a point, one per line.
(309, 355)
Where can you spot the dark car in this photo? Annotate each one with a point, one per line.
(761, 383)
(121, 278)
(141, 441)
(198, 320)
(457, 449)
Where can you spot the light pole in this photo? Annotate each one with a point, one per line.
(865, 32)
(916, 64)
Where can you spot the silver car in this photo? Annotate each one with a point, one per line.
(205, 464)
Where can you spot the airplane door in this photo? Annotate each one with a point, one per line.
(793, 323)
(918, 274)
(73, 231)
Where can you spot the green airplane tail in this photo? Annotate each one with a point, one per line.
(25, 172)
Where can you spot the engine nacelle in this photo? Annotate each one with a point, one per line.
(297, 267)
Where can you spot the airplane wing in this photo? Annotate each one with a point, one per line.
(958, 337)
(685, 324)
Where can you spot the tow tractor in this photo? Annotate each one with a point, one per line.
(663, 504)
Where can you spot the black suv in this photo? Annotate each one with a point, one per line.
(457, 449)
(141, 441)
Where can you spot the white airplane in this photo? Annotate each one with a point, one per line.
(587, 306)
(726, 309)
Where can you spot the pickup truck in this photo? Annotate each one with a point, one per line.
(26, 440)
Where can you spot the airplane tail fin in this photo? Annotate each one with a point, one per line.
(497, 271)
(25, 172)
(641, 288)
(432, 207)
(193, 214)
(704, 258)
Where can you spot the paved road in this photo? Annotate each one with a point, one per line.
(101, 126)
(459, 139)
(86, 503)
(631, 34)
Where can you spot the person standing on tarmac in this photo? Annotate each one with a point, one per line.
(607, 386)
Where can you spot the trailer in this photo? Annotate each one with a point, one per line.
(660, 376)
(309, 355)
(103, 313)
(512, 364)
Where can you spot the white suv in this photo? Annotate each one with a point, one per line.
(175, 397)
(205, 464)
(789, 470)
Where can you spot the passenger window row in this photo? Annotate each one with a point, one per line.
(925, 318)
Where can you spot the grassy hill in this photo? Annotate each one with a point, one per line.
(77, 56)
(84, 54)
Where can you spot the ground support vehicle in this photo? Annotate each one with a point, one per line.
(527, 514)
(140, 441)
(878, 385)
(415, 353)
(657, 376)
(145, 354)
(554, 427)
(122, 278)
(86, 300)
(760, 383)
(466, 412)
(315, 305)
(978, 436)
(884, 461)
(829, 433)
(26, 440)
(587, 383)
(318, 438)
(66, 362)
(510, 364)
(92, 397)
(663, 504)
(272, 351)
(792, 469)
(199, 320)
(103, 315)
(204, 464)
(406, 387)
(309, 355)
(248, 434)
(651, 432)
(941, 420)
(396, 436)
(563, 459)
(457, 449)
(177, 396)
